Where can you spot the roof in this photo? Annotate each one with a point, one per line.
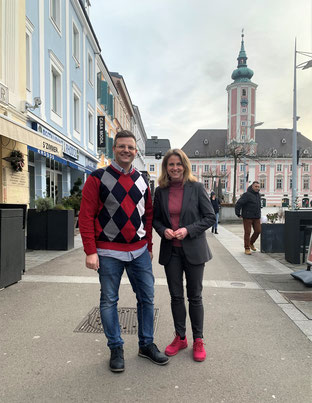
(155, 145)
(270, 143)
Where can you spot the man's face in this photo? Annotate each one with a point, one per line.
(256, 187)
(125, 152)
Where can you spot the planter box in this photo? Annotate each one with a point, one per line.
(12, 246)
(227, 214)
(272, 239)
(50, 230)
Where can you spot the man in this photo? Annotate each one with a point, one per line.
(216, 206)
(249, 207)
(115, 223)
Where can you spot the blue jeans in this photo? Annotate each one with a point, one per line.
(141, 277)
(215, 226)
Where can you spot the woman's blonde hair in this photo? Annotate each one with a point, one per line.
(164, 179)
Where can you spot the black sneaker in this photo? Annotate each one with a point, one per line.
(117, 362)
(151, 352)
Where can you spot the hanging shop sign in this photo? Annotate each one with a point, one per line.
(101, 131)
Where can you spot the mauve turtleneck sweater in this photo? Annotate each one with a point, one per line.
(175, 206)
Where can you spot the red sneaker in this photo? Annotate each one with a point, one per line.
(199, 353)
(175, 346)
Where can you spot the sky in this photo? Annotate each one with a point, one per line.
(177, 58)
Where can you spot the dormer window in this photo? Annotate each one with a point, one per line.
(244, 92)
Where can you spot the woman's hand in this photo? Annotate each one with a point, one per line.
(169, 233)
(180, 233)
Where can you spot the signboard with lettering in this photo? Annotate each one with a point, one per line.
(68, 149)
(4, 94)
(101, 132)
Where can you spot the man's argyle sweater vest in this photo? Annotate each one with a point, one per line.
(116, 211)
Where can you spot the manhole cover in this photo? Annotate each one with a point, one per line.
(127, 320)
(298, 296)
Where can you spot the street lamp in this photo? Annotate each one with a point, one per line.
(244, 167)
(305, 65)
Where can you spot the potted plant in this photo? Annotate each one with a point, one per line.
(272, 234)
(74, 200)
(50, 227)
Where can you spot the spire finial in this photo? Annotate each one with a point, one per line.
(243, 34)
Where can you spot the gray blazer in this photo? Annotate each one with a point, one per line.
(196, 216)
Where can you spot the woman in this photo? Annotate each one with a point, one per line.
(182, 213)
(216, 206)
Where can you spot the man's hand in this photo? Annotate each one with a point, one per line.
(169, 233)
(180, 233)
(92, 261)
(151, 255)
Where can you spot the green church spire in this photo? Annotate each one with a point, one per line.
(242, 73)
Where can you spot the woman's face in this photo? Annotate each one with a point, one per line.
(175, 168)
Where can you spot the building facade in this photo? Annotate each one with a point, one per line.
(61, 94)
(240, 154)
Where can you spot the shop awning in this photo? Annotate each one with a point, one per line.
(16, 131)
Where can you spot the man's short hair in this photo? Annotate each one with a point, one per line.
(255, 182)
(123, 134)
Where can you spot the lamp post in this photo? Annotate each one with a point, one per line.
(305, 65)
(244, 166)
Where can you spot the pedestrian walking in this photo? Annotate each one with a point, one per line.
(115, 223)
(182, 214)
(216, 206)
(248, 207)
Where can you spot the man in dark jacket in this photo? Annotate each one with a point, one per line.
(249, 207)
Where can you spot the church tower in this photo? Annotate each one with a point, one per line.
(242, 103)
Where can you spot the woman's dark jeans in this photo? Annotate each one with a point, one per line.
(194, 286)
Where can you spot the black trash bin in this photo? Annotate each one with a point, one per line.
(12, 246)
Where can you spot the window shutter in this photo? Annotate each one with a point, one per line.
(110, 105)
(104, 93)
(110, 147)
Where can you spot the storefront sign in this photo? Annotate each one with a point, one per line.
(4, 94)
(101, 131)
(91, 164)
(68, 149)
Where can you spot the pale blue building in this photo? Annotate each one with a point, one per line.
(61, 50)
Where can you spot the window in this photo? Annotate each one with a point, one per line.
(290, 167)
(244, 110)
(90, 127)
(290, 183)
(206, 168)
(279, 183)
(223, 168)
(76, 43)
(90, 69)
(241, 183)
(244, 93)
(28, 65)
(193, 168)
(306, 183)
(55, 13)
(28, 38)
(262, 168)
(223, 183)
(76, 117)
(262, 183)
(279, 168)
(305, 167)
(56, 90)
(243, 123)
(152, 168)
(206, 183)
(241, 167)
